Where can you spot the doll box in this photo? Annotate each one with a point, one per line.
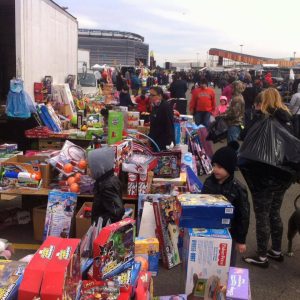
(205, 211)
(238, 287)
(114, 249)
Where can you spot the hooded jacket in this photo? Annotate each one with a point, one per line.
(237, 195)
(295, 103)
(108, 202)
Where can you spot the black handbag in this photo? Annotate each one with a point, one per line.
(217, 130)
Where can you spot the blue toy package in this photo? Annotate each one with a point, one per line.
(10, 278)
(205, 211)
(60, 211)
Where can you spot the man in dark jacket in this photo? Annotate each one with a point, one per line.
(108, 202)
(178, 87)
(161, 119)
(222, 182)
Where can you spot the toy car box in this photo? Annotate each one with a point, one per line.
(62, 274)
(10, 278)
(205, 211)
(60, 211)
(114, 249)
(238, 287)
(149, 249)
(206, 261)
(33, 275)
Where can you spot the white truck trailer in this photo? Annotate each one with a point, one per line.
(37, 38)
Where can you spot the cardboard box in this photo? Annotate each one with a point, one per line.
(33, 275)
(38, 218)
(206, 261)
(83, 224)
(45, 168)
(139, 184)
(62, 273)
(123, 150)
(10, 278)
(114, 249)
(60, 211)
(205, 211)
(238, 287)
(149, 249)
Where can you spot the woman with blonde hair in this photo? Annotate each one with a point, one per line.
(263, 163)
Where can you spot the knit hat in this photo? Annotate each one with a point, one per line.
(226, 157)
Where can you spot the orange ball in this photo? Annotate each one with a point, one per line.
(74, 188)
(82, 164)
(71, 180)
(68, 168)
(143, 261)
(77, 177)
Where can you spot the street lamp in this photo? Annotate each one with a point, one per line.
(241, 48)
(294, 55)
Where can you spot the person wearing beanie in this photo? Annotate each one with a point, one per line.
(108, 202)
(222, 182)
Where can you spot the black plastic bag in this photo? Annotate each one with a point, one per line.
(217, 130)
(267, 141)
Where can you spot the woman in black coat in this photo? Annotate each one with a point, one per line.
(267, 180)
(161, 119)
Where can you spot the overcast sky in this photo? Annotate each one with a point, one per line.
(179, 29)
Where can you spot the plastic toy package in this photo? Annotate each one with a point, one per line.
(11, 273)
(69, 159)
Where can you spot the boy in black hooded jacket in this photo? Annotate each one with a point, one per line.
(222, 182)
(108, 202)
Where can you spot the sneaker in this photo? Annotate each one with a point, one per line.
(278, 257)
(257, 261)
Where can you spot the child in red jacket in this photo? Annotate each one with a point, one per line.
(143, 103)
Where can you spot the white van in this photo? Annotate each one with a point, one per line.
(87, 83)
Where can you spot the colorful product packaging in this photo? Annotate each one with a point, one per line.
(171, 297)
(168, 164)
(62, 273)
(123, 150)
(205, 211)
(60, 211)
(10, 278)
(238, 287)
(149, 249)
(206, 262)
(115, 127)
(33, 275)
(114, 249)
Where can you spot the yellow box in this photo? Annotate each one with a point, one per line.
(146, 246)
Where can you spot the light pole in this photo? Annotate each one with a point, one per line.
(294, 55)
(241, 48)
(197, 59)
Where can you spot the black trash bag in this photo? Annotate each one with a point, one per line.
(267, 141)
(217, 130)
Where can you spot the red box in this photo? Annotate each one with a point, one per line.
(33, 276)
(62, 274)
(123, 150)
(114, 249)
(53, 272)
(132, 187)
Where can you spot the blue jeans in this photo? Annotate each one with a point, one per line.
(233, 133)
(202, 117)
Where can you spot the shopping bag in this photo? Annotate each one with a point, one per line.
(217, 130)
(267, 141)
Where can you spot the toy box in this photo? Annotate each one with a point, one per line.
(144, 289)
(123, 150)
(205, 211)
(171, 297)
(166, 217)
(168, 164)
(149, 249)
(140, 164)
(60, 211)
(114, 249)
(133, 119)
(206, 262)
(33, 275)
(62, 273)
(115, 127)
(10, 278)
(238, 287)
(139, 184)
